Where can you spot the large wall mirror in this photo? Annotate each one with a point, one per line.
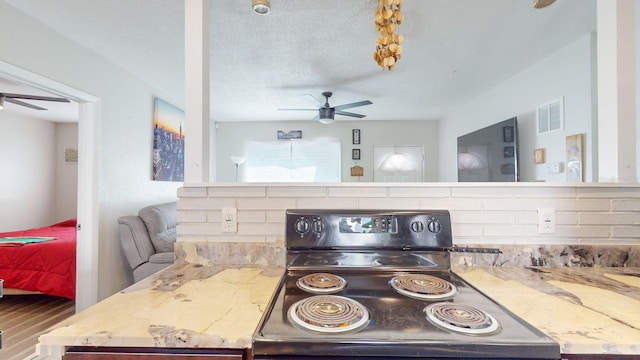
(466, 65)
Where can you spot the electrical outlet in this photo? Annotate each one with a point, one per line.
(546, 221)
(229, 220)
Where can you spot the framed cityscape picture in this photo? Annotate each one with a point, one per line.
(168, 142)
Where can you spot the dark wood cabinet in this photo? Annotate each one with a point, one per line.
(125, 353)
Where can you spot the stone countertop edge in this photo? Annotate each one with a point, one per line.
(586, 310)
(182, 306)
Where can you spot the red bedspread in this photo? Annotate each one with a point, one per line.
(48, 267)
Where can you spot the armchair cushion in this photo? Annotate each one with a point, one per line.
(161, 223)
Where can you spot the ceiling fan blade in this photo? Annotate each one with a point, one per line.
(352, 105)
(22, 103)
(316, 118)
(360, 116)
(34, 97)
(298, 109)
(313, 99)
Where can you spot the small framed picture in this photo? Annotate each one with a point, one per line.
(507, 134)
(508, 151)
(70, 156)
(538, 156)
(355, 154)
(355, 136)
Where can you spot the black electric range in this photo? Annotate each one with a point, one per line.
(365, 284)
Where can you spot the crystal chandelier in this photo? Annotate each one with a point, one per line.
(388, 48)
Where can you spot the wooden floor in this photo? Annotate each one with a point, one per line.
(24, 317)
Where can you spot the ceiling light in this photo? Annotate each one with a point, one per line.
(388, 48)
(261, 7)
(539, 4)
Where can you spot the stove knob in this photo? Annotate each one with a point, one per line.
(302, 226)
(434, 226)
(318, 226)
(417, 226)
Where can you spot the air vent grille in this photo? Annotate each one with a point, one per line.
(550, 116)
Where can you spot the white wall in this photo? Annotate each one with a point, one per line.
(566, 73)
(124, 128)
(27, 180)
(231, 137)
(66, 174)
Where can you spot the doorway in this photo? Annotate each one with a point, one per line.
(87, 206)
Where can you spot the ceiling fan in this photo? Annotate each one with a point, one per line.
(326, 113)
(13, 98)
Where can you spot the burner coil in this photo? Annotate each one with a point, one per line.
(461, 318)
(425, 287)
(329, 314)
(322, 283)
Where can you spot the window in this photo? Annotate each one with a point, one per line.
(293, 160)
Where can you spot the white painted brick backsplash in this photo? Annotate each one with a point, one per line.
(327, 203)
(496, 192)
(625, 205)
(415, 192)
(622, 218)
(237, 191)
(297, 191)
(484, 217)
(387, 203)
(625, 231)
(266, 203)
(481, 214)
(352, 191)
(185, 192)
(192, 216)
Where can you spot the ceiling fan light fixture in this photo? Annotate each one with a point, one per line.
(261, 7)
(539, 4)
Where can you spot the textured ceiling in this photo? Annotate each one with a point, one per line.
(453, 50)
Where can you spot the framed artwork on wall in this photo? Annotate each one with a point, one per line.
(355, 136)
(507, 133)
(575, 158)
(538, 156)
(509, 151)
(355, 154)
(70, 155)
(168, 142)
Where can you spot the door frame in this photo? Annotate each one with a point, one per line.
(88, 234)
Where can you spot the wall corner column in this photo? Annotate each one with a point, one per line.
(616, 92)
(197, 122)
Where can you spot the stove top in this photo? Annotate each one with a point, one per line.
(358, 300)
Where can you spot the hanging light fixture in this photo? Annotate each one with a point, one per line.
(539, 4)
(261, 7)
(388, 48)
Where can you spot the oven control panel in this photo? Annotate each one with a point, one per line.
(358, 228)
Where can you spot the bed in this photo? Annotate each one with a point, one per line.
(40, 260)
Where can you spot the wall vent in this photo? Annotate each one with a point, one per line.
(550, 116)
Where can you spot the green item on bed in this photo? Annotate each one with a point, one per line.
(23, 240)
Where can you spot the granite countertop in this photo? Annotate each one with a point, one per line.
(183, 306)
(587, 310)
(593, 310)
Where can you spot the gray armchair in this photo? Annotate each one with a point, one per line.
(148, 238)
